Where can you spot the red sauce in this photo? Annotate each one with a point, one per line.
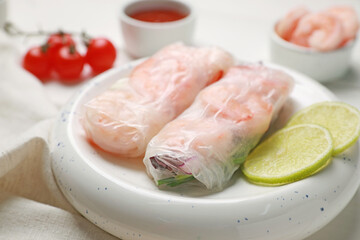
(158, 16)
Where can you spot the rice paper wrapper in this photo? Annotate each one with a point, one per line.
(123, 119)
(215, 134)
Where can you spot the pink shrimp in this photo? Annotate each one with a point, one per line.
(123, 120)
(286, 26)
(107, 119)
(170, 76)
(231, 104)
(349, 19)
(321, 31)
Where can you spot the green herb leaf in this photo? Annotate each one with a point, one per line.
(175, 181)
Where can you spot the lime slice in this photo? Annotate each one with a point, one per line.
(289, 155)
(341, 119)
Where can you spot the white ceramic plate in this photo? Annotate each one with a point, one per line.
(118, 196)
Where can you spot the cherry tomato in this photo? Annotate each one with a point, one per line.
(36, 61)
(100, 54)
(68, 64)
(58, 40)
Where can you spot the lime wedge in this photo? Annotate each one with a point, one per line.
(289, 155)
(341, 119)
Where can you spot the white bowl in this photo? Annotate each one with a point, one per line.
(321, 66)
(118, 196)
(145, 38)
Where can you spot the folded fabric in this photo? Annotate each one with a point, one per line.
(31, 204)
(26, 219)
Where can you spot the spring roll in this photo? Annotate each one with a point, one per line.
(123, 119)
(210, 140)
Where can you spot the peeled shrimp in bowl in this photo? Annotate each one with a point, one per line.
(317, 44)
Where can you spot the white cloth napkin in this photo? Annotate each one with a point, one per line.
(31, 205)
